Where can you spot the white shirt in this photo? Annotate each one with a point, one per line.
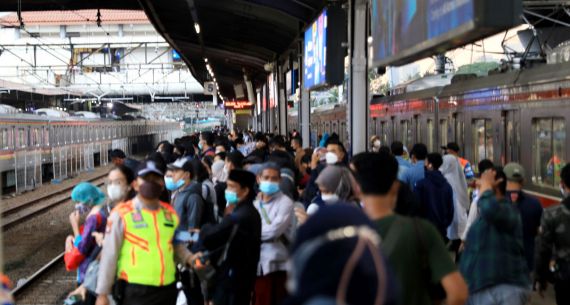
(473, 215)
(276, 221)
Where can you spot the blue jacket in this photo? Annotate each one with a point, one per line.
(414, 174)
(436, 200)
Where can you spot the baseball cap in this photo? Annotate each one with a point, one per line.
(180, 163)
(451, 145)
(514, 172)
(148, 167)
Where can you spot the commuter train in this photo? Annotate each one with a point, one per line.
(35, 149)
(517, 116)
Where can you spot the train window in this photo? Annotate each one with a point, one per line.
(548, 150)
(459, 129)
(20, 138)
(482, 140)
(35, 137)
(46, 136)
(6, 139)
(406, 133)
(443, 132)
(383, 135)
(418, 129)
(430, 135)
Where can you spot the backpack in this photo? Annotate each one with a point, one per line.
(209, 213)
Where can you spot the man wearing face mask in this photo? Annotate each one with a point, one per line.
(553, 245)
(138, 248)
(234, 160)
(528, 206)
(240, 233)
(335, 155)
(186, 196)
(276, 210)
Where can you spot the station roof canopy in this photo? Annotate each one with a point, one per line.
(236, 36)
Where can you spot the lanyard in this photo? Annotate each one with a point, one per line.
(264, 213)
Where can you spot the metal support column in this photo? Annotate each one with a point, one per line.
(282, 101)
(358, 94)
(305, 115)
(252, 99)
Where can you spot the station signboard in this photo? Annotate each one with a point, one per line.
(238, 105)
(323, 59)
(408, 30)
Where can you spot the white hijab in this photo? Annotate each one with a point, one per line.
(218, 173)
(454, 175)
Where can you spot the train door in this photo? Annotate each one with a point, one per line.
(483, 137)
(510, 136)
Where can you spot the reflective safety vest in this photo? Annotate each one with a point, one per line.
(147, 253)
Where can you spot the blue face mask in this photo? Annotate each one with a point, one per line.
(171, 185)
(200, 146)
(231, 197)
(268, 187)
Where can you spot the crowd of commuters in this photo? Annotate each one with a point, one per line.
(228, 217)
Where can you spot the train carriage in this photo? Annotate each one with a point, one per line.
(518, 116)
(35, 149)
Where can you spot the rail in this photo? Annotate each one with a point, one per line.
(17, 213)
(34, 277)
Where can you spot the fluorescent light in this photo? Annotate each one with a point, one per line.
(197, 28)
(110, 105)
(205, 60)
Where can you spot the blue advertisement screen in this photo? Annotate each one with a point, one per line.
(399, 25)
(175, 55)
(314, 64)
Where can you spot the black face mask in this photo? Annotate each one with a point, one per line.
(150, 190)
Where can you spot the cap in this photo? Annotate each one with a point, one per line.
(451, 145)
(181, 163)
(148, 167)
(514, 172)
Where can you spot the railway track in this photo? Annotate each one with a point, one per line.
(16, 213)
(49, 283)
(43, 272)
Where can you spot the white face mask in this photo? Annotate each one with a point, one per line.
(116, 192)
(329, 198)
(377, 143)
(331, 158)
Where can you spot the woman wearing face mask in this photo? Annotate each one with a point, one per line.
(119, 189)
(79, 246)
(336, 184)
(119, 186)
(375, 144)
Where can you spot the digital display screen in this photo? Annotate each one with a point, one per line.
(403, 24)
(175, 55)
(315, 47)
(407, 30)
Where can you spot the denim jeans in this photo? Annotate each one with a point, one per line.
(501, 294)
